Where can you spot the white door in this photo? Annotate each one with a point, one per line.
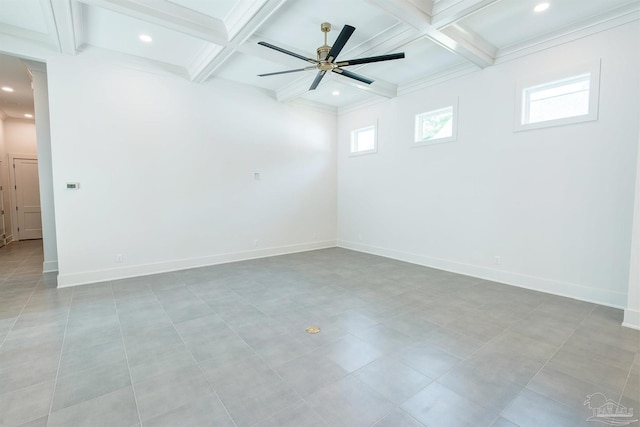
(27, 189)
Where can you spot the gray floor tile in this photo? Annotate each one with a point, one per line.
(486, 388)
(24, 405)
(501, 422)
(351, 353)
(455, 343)
(140, 343)
(384, 338)
(40, 422)
(159, 394)
(349, 402)
(157, 364)
(531, 409)
(117, 408)
(427, 359)
(309, 373)
(597, 370)
(251, 391)
(80, 359)
(567, 389)
(88, 384)
(392, 379)
(297, 415)
(398, 418)
(200, 327)
(17, 373)
(220, 349)
(437, 406)
(283, 348)
(201, 412)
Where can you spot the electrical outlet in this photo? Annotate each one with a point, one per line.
(118, 258)
(497, 260)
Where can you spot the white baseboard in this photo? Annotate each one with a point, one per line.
(542, 284)
(87, 277)
(49, 266)
(631, 319)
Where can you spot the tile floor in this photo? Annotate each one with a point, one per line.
(400, 345)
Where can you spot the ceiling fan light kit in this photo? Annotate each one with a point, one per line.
(326, 58)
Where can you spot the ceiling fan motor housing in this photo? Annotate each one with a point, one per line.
(323, 50)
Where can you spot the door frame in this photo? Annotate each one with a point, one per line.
(3, 223)
(12, 189)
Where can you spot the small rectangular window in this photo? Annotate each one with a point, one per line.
(436, 126)
(363, 140)
(557, 100)
(573, 98)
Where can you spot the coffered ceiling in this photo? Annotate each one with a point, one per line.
(200, 40)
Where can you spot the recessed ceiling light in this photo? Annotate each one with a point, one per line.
(29, 116)
(335, 93)
(145, 38)
(7, 89)
(541, 7)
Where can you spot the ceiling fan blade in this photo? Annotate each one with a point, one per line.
(342, 39)
(288, 52)
(370, 59)
(316, 82)
(287, 71)
(354, 76)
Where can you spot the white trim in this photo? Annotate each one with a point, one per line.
(87, 277)
(631, 319)
(556, 75)
(50, 266)
(541, 284)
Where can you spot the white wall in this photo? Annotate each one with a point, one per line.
(166, 171)
(556, 204)
(45, 174)
(20, 136)
(632, 312)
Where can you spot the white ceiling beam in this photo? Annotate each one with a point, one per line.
(169, 15)
(378, 87)
(65, 26)
(448, 12)
(251, 19)
(406, 11)
(403, 10)
(471, 40)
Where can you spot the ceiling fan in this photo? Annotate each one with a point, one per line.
(326, 60)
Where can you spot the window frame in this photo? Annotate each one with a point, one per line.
(353, 141)
(454, 125)
(557, 79)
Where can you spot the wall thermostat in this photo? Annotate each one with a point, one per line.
(73, 185)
